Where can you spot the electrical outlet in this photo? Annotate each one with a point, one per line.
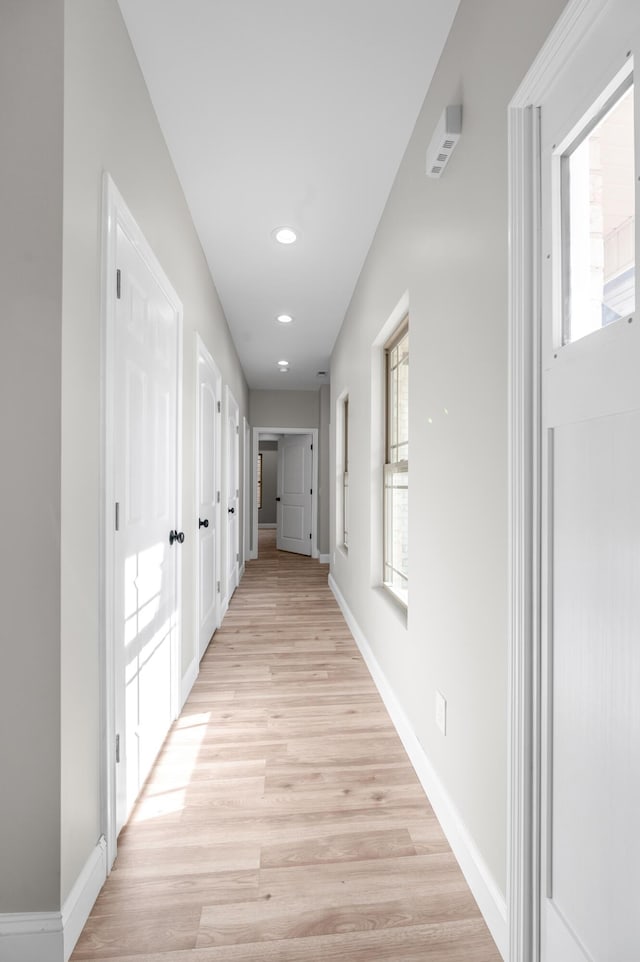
(441, 712)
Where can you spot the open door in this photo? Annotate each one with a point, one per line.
(590, 358)
(294, 494)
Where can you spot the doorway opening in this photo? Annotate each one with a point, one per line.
(284, 488)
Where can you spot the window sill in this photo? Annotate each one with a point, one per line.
(395, 603)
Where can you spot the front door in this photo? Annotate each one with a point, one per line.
(146, 561)
(590, 659)
(208, 498)
(294, 494)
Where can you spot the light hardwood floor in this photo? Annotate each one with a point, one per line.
(283, 821)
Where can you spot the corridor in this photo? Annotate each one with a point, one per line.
(283, 821)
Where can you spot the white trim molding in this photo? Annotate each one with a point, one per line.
(188, 680)
(324, 559)
(480, 880)
(523, 886)
(81, 898)
(31, 937)
(51, 936)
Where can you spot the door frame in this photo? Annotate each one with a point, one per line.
(314, 432)
(115, 212)
(203, 354)
(524, 477)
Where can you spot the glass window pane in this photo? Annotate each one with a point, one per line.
(599, 214)
(396, 568)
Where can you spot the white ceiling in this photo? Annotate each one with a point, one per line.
(287, 112)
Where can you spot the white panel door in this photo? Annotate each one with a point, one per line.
(294, 494)
(147, 510)
(208, 499)
(590, 659)
(232, 469)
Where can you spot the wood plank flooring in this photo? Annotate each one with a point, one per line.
(283, 821)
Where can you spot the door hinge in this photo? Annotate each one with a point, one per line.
(237, 429)
(117, 512)
(218, 586)
(118, 283)
(237, 556)
(117, 749)
(237, 492)
(219, 408)
(311, 448)
(310, 490)
(309, 535)
(217, 497)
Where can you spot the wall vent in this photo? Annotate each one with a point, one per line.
(444, 140)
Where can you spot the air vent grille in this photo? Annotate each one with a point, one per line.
(444, 140)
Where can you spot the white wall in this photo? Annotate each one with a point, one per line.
(284, 409)
(31, 110)
(445, 242)
(110, 125)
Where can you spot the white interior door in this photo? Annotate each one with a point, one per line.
(208, 498)
(590, 755)
(146, 564)
(246, 488)
(294, 494)
(232, 448)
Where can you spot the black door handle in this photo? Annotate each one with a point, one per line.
(231, 510)
(176, 536)
(203, 524)
(277, 499)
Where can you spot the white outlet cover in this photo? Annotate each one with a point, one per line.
(441, 712)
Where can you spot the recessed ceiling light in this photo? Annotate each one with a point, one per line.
(283, 363)
(285, 235)
(284, 318)
(284, 370)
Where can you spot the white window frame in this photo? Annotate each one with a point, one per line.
(392, 468)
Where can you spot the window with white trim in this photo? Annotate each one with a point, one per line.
(345, 472)
(396, 464)
(598, 219)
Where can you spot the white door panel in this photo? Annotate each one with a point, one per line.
(146, 490)
(208, 497)
(590, 657)
(293, 525)
(595, 778)
(294, 494)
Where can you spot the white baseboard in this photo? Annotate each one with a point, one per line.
(188, 680)
(265, 525)
(82, 896)
(51, 936)
(490, 900)
(324, 559)
(31, 937)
